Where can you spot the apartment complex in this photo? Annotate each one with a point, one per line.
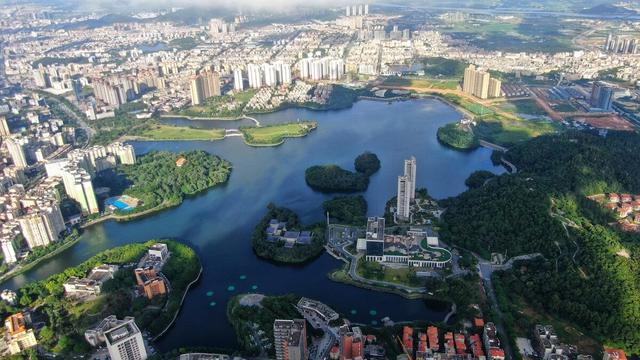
(204, 85)
(42, 225)
(480, 84)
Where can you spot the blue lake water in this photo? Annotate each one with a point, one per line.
(218, 223)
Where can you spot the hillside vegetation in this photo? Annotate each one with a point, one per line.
(590, 274)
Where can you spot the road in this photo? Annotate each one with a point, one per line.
(486, 270)
(87, 129)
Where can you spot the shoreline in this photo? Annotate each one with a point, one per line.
(11, 274)
(184, 295)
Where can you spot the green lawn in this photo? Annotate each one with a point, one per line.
(475, 108)
(421, 83)
(166, 132)
(564, 108)
(500, 130)
(275, 134)
(528, 107)
(375, 271)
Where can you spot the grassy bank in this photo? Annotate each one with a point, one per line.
(167, 132)
(420, 83)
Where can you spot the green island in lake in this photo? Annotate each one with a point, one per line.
(162, 179)
(280, 237)
(69, 309)
(332, 178)
(273, 135)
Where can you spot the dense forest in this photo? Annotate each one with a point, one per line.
(590, 273)
(157, 180)
(367, 163)
(347, 210)
(66, 319)
(332, 178)
(275, 250)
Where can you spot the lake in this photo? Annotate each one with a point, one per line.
(219, 223)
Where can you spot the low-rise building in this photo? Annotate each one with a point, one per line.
(92, 284)
(18, 336)
(151, 282)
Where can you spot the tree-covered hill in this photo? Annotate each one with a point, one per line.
(590, 273)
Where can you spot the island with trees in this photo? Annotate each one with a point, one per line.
(163, 179)
(280, 237)
(274, 135)
(458, 136)
(586, 279)
(66, 318)
(332, 178)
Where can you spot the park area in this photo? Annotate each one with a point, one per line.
(167, 132)
(276, 134)
(420, 83)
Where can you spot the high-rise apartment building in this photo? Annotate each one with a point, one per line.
(204, 85)
(406, 190)
(9, 249)
(495, 88)
(601, 96)
(238, 84)
(43, 226)
(290, 339)
(15, 145)
(197, 92)
(478, 83)
(77, 184)
(4, 126)
(124, 341)
(254, 73)
(125, 153)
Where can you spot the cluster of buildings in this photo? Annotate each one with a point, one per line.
(122, 338)
(277, 232)
(480, 84)
(357, 10)
(419, 247)
(426, 345)
(625, 206)
(325, 68)
(341, 342)
(267, 74)
(78, 168)
(204, 84)
(29, 219)
(149, 277)
(219, 28)
(621, 44)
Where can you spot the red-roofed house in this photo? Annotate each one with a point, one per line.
(614, 354)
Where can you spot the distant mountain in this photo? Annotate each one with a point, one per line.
(609, 9)
(106, 20)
